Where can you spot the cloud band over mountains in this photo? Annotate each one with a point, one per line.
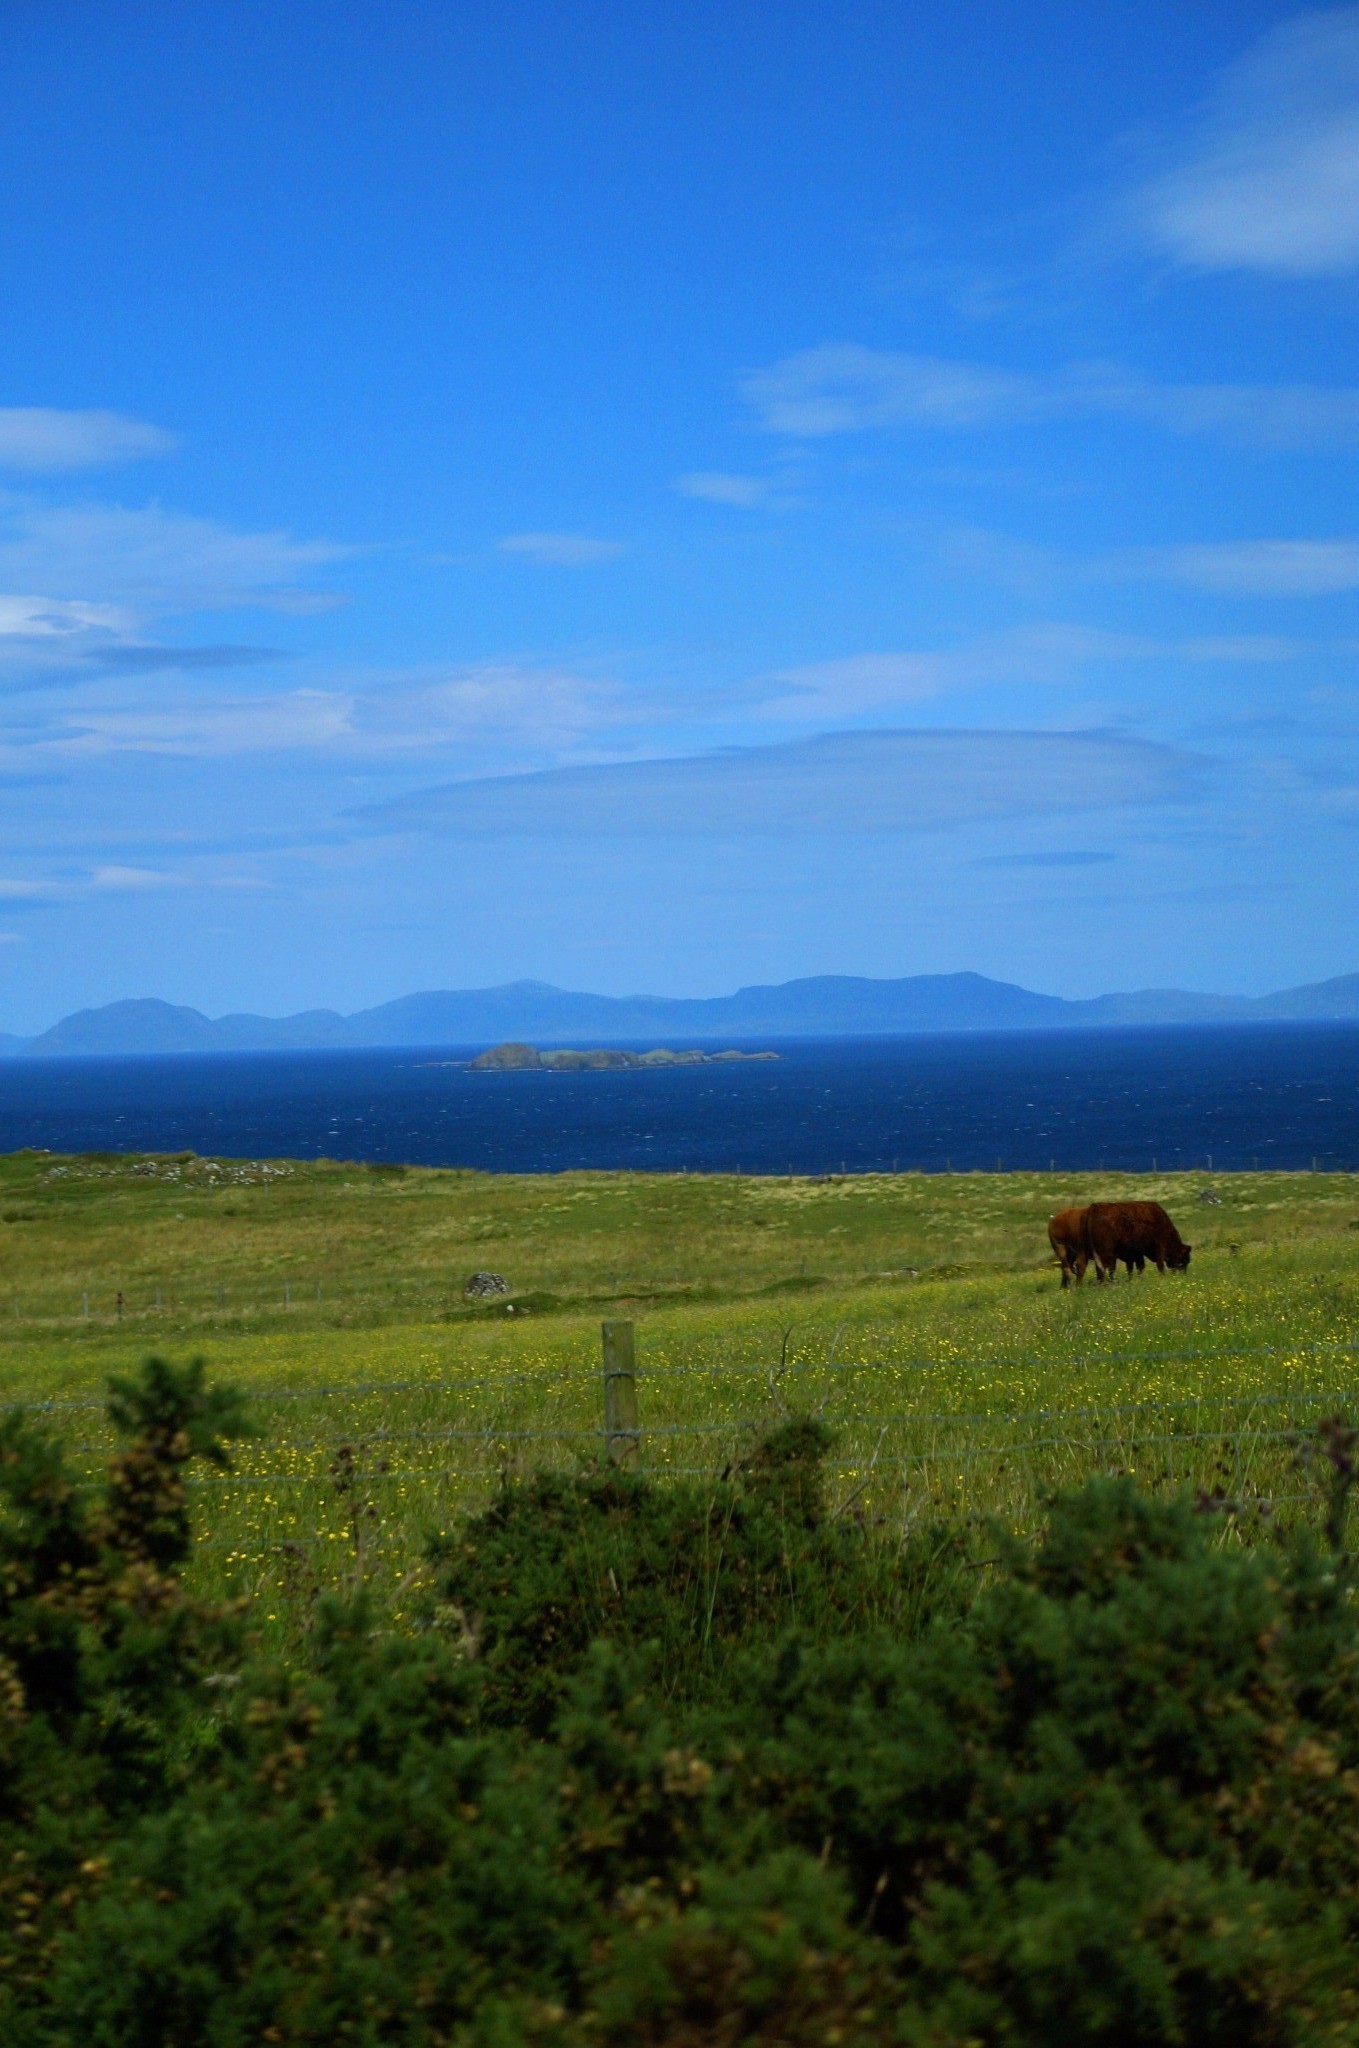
(846, 784)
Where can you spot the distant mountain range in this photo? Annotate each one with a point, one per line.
(822, 1006)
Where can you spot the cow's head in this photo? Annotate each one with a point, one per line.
(1178, 1260)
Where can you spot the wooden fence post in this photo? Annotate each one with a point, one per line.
(621, 1436)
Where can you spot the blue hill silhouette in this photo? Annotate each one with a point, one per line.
(819, 1006)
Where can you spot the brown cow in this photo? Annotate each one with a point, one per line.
(1064, 1235)
(1133, 1232)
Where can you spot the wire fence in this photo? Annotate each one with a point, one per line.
(904, 1463)
(1250, 1452)
(765, 1369)
(971, 1454)
(148, 1304)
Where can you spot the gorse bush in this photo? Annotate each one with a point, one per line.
(682, 1575)
(675, 1766)
(102, 1657)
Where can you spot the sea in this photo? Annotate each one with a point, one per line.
(1218, 1098)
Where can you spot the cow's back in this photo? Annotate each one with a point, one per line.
(1119, 1230)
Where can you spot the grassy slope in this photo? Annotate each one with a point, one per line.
(922, 1311)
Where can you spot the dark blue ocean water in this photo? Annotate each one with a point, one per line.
(1276, 1096)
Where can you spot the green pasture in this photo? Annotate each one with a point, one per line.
(920, 1314)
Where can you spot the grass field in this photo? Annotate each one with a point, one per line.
(920, 1314)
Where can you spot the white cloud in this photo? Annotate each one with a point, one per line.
(838, 784)
(86, 581)
(12, 891)
(842, 388)
(151, 555)
(1239, 647)
(43, 618)
(39, 438)
(497, 705)
(857, 682)
(496, 714)
(1250, 568)
(1051, 654)
(47, 643)
(134, 879)
(561, 550)
(719, 488)
(1272, 184)
(1248, 415)
(244, 725)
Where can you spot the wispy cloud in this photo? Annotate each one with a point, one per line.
(1052, 653)
(719, 487)
(48, 618)
(492, 715)
(844, 388)
(62, 641)
(306, 719)
(142, 658)
(561, 550)
(852, 683)
(495, 707)
(1075, 857)
(37, 438)
(1273, 567)
(136, 880)
(822, 691)
(841, 784)
(1271, 180)
(1249, 568)
(1253, 648)
(93, 553)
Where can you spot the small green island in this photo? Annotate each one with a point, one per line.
(516, 1058)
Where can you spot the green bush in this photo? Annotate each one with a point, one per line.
(682, 1574)
(675, 1767)
(1119, 1803)
(102, 1656)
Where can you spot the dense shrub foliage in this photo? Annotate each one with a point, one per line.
(674, 1766)
(682, 1575)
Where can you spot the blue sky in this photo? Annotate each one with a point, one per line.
(655, 497)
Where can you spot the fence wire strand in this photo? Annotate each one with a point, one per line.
(1018, 1447)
